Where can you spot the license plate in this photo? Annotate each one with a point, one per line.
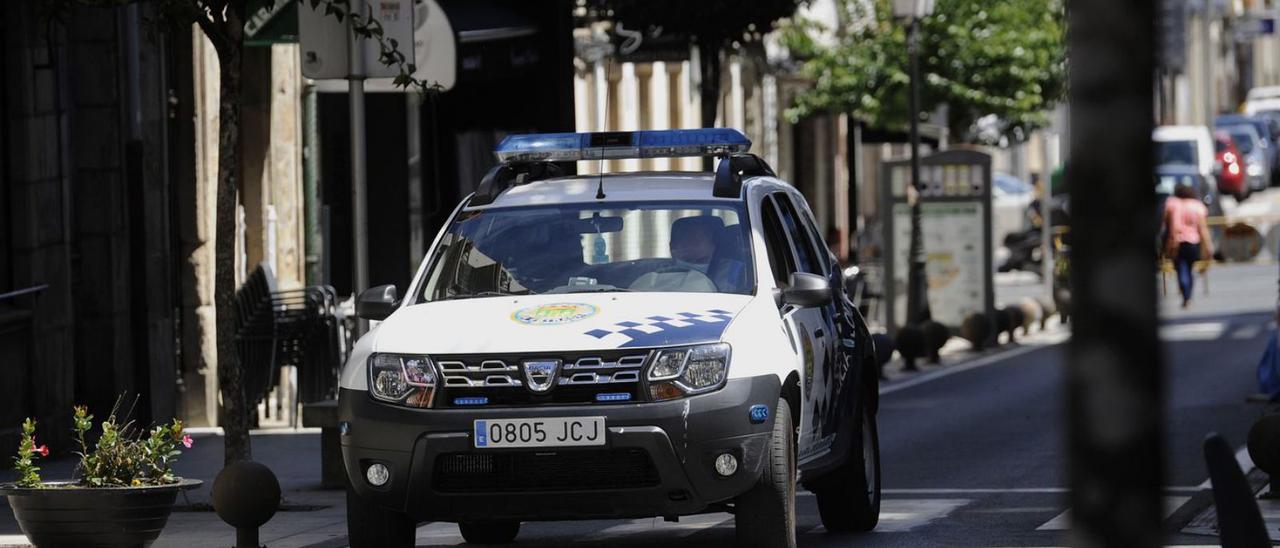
(550, 432)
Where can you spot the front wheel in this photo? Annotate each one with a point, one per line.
(489, 532)
(849, 500)
(765, 516)
(372, 526)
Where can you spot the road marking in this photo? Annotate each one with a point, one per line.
(1062, 521)
(1199, 331)
(688, 525)
(900, 516)
(1247, 331)
(1015, 490)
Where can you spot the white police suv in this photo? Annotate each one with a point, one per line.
(617, 346)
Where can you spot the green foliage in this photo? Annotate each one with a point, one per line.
(1003, 59)
(222, 20)
(28, 451)
(122, 456)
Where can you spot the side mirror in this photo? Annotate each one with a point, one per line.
(807, 290)
(376, 303)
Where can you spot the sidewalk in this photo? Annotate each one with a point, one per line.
(308, 515)
(959, 351)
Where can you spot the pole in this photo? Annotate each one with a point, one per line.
(312, 238)
(359, 211)
(1114, 380)
(917, 291)
(417, 224)
(1046, 211)
(1206, 62)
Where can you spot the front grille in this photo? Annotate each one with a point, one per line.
(500, 380)
(545, 471)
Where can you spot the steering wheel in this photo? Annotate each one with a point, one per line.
(662, 279)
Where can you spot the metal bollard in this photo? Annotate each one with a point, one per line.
(246, 494)
(1264, 449)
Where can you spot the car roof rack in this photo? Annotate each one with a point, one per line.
(533, 157)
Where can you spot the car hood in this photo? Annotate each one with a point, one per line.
(538, 323)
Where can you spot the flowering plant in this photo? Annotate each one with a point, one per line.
(24, 463)
(122, 456)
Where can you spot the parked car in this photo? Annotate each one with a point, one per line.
(617, 346)
(1255, 151)
(1268, 131)
(1228, 166)
(1263, 92)
(1010, 197)
(1185, 146)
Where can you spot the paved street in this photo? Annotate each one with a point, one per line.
(972, 453)
(975, 458)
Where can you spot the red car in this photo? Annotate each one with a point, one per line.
(1228, 166)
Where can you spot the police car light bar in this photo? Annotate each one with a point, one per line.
(566, 147)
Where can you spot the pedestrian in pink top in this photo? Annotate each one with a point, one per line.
(1187, 235)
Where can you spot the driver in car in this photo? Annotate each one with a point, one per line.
(696, 266)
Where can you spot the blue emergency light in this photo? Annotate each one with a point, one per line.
(671, 143)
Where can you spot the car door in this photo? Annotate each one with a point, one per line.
(805, 326)
(820, 398)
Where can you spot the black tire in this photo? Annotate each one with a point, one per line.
(372, 526)
(849, 499)
(489, 532)
(765, 516)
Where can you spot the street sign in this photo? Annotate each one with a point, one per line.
(324, 39)
(434, 54)
(275, 23)
(955, 211)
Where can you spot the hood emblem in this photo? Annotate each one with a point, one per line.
(540, 375)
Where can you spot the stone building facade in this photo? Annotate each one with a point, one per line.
(87, 247)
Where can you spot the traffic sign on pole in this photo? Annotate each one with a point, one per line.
(324, 39)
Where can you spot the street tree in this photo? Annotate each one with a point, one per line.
(712, 25)
(222, 23)
(998, 67)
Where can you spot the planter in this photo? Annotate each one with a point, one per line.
(64, 515)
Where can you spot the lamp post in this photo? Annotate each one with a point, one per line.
(917, 288)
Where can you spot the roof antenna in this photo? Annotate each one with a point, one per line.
(607, 82)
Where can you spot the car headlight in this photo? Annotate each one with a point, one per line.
(402, 379)
(1255, 169)
(684, 371)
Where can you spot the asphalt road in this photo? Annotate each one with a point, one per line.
(976, 457)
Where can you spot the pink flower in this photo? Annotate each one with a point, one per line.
(43, 450)
(186, 441)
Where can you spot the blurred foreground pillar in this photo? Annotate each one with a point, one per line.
(1115, 401)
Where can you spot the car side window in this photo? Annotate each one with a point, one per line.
(814, 242)
(806, 256)
(781, 262)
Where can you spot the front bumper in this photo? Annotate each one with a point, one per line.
(680, 437)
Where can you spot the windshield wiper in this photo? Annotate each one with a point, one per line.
(480, 294)
(599, 289)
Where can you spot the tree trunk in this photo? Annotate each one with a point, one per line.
(235, 408)
(709, 87)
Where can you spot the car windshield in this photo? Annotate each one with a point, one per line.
(1243, 138)
(581, 248)
(1009, 184)
(1176, 153)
